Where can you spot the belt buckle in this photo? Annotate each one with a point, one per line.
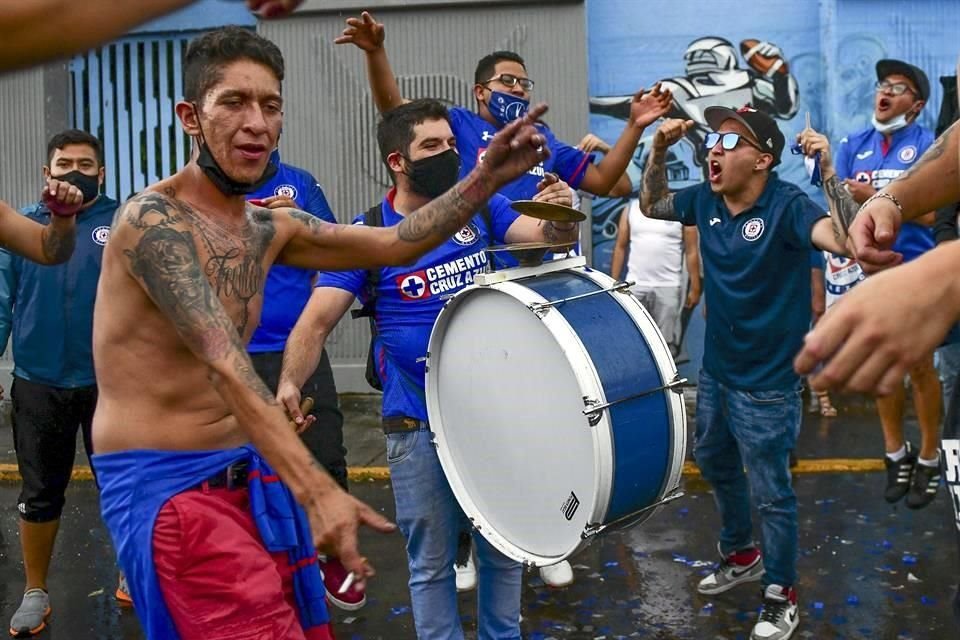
(231, 471)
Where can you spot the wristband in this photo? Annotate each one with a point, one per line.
(888, 196)
(60, 210)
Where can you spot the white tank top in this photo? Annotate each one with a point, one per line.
(655, 254)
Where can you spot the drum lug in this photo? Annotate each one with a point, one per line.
(593, 411)
(539, 308)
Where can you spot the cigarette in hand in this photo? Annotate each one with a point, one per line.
(347, 583)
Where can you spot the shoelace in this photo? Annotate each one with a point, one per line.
(773, 611)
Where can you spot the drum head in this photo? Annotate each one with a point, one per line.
(506, 407)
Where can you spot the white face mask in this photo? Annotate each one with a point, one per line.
(894, 124)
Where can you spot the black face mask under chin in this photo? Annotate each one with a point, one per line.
(435, 175)
(224, 183)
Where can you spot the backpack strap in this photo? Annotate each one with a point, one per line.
(372, 218)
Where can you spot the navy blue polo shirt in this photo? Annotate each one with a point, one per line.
(756, 270)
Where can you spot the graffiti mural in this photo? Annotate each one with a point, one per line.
(789, 59)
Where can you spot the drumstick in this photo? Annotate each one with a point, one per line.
(808, 119)
(305, 405)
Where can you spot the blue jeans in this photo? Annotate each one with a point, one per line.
(431, 520)
(756, 430)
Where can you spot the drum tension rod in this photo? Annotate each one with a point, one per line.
(626, 521)
(594, 408)
(541, 308)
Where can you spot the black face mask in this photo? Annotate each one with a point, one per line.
(224, 183)
(89, 185)
(435, 175)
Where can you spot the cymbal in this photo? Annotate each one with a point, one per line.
(548, 211)
(530, 254)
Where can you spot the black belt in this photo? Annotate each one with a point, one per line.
(234, 476)
(400, 424)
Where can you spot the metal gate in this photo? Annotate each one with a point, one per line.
(124, 93)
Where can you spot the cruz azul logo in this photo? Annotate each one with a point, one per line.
(286, 191)
(100, 235)
(446, 277)
(752, 229)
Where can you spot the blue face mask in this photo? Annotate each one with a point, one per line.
(505, 107)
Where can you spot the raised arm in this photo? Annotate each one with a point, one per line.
(656, 201)
(305, 346)
(161, 256)
(621, 246)
(843, 207)
(48, 244)
(645, 109)
(317, 245)
(368, 34)
(35, 31)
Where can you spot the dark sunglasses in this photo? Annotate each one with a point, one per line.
(729, 140)
(510, 80)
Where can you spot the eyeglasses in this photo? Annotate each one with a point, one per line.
(729, 140)
(510, 80)
(894, 88)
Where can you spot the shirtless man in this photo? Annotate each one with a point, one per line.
(185, 431)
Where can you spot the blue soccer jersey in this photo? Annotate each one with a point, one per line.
(287, 289)
(473, 133)
(409, 299)
(865, 156)
(756, 269)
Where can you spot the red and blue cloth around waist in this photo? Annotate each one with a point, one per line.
(134, 485)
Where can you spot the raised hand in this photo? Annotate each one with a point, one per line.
(647, 108)
(861, 191)
(272, 8)
(364, 32)
(516, 148)
(590, 143)
(553, 189)
(61, 198)
(873, 233)
(813, 142)
(671, 132)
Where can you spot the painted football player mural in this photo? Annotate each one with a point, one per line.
(712, 76)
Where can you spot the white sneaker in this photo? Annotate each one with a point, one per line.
(466, 575)
(557, 575)
(780, 615)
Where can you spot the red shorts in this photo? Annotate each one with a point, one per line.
(217, 578)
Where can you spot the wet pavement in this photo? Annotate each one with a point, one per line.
(867, 569)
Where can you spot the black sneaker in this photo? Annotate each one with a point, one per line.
(899, 474)
(923, 486)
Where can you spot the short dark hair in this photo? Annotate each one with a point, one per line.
(75, 136)
(208, 54)
(395, 129)
(488, 64)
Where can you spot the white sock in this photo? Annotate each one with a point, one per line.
(930, 463)
(899, 454)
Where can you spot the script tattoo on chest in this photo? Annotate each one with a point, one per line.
(186, 246)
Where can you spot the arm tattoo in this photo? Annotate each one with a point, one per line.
(57, 244)
(656, 201)
(936, 150)
(166, 260)
(842, 206)
(555, 235)
(444, 216)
